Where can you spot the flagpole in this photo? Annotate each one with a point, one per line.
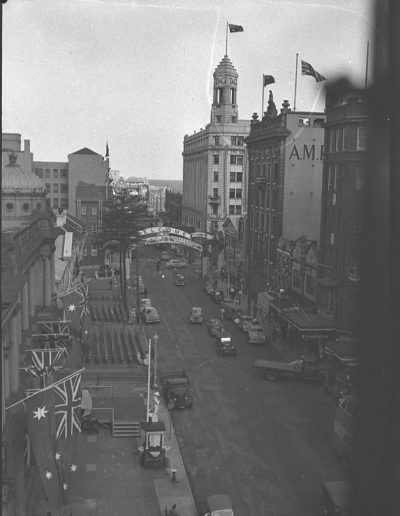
(51, 386)
(366, 67)
(262, 104)
(295, 84)
(226, 42)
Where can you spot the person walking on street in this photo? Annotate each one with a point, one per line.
(222, 314)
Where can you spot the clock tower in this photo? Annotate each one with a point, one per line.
(224, 108)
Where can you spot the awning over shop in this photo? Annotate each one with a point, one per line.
(308, 321)
(60, 268)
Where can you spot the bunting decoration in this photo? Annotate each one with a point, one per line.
(53, 327)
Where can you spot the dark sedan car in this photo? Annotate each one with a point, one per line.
(217, 296)
(213, 326)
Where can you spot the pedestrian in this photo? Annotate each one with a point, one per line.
(222, 314)
(111, 283)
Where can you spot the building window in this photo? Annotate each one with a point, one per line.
(215, 192)
(93, 249)
(359, 179)
(234, 119)
(231, 209)
(332, 238)
(216, 159)
(94, 210)
(39, 172)
(64, 188)
(238, 193)
(83, 209)
(343, 138)
(239, 176)
(215, 210)
(216, 140)
(55, 202)
(55, 173)
(48, 203)
(220, 92)
(10, 206)
(233, 176)
(362, 137)
(64, 203)
(48, 187)
(231, 193)
(233, 96)
(276, 172)
(219, 119)
(215, 176)
(338, 143)
(304, 122)
(236, 160)
(64, 172)
(94, 229)
(318, 122)
(47, 173)
(331, 140)
(238, 210)
(234, 140)
(55, 187)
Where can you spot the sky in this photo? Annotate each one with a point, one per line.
(138, 74)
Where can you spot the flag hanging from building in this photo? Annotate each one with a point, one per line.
(40, 412)
(268, 79)
(307, 69)
(43, 362)
(76, 305)
(235, 28)
(68, 403)
(53, 327)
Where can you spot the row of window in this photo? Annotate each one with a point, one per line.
(234, 159)
(234, 177)
(218, 119)
(235, 140)
(306, 122)
(84, 210)
(339, 140)
(57, 188)
(336, 178)
(265, 170)
(57, 203)
(62, 173)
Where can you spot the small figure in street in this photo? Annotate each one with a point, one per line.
(222, 314)
(173, 477)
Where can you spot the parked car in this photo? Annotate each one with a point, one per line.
(145, 303)
(196, 316)
(208, 288)
(223, 343)
(219, 505)
(213, 325)
(176, 389)
(175, 264)
(180, 280)
(256, 334)
(150, 315)
(164, 256)
(217, 296)
(245, 322)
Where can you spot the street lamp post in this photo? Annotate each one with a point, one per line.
(155, 341)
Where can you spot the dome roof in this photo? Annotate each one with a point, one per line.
(226, 67)
(16, 180)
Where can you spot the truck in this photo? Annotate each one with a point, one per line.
(296, 369)
(176, 389)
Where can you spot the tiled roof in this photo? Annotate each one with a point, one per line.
(85, 150)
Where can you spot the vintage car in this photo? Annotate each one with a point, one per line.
(223, 343)
(196, 316)
(175, 264)
(208, 288)
(153, 451)
(145, 302)
(180, 280)
(335, 498)
(245, 322)
(219, 505)
(176, 389)
(213, 325)
(256, 334)
(217, 296)
(150, 315)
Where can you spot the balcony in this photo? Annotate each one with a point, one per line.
(214, 199)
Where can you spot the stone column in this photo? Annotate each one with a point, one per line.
(47, 281)
(14, 354)
(31, 292)
(53, 273)
(25, 307)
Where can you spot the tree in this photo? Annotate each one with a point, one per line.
(123, 217)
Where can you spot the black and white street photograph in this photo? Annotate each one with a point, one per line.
(200, 258)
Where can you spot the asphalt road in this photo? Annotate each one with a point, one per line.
(268, 445)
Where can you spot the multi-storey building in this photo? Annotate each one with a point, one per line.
(285, 184)
(343, 207)
(55, 176)
(215, 159)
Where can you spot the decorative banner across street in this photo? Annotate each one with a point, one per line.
(164, 231)
(171, 240)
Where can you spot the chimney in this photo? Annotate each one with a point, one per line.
(27, 146)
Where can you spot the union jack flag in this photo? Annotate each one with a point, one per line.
(53, 327)
(43, 362)
(50, 341)
(68, 405)
(83, 292)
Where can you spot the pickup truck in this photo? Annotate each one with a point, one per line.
(176, 389)
(296, 369)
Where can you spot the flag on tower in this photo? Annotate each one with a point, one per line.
(268, 79)
(235, 28)
(307, 69)
(107, 151)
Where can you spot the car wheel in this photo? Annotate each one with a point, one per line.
(272, 375)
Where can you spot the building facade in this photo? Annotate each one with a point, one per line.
(344, 208)
(215, 159)
(285, 186)
(55, 176)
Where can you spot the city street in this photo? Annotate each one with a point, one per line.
(268, 445)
